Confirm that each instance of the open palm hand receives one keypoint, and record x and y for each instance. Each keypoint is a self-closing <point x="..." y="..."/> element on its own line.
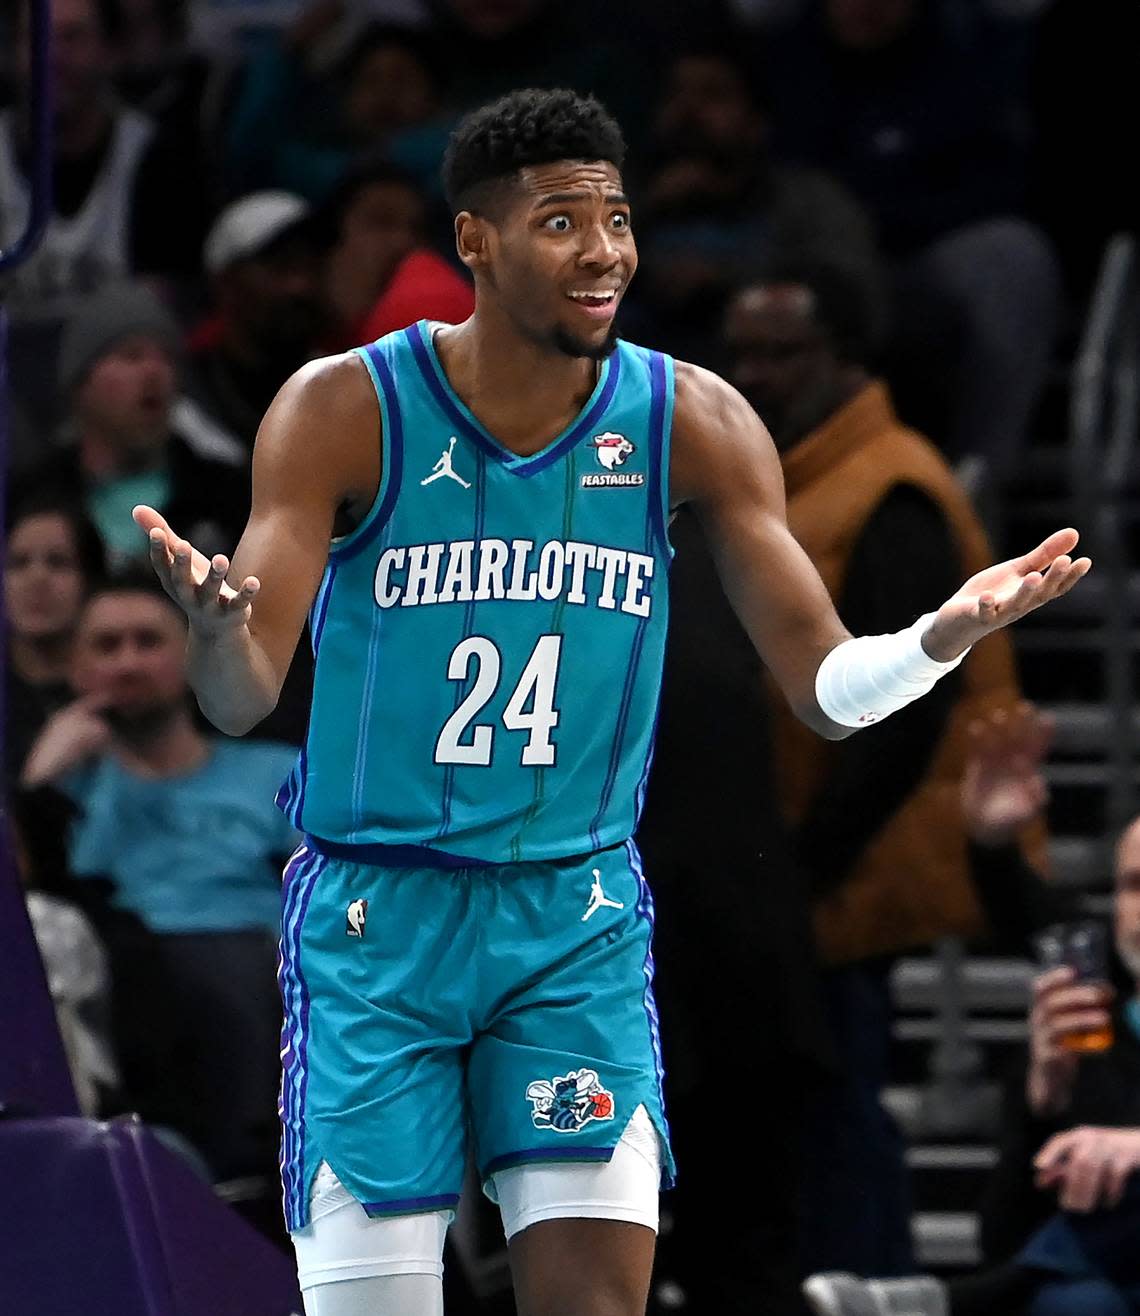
<point x="1004" y="593"/>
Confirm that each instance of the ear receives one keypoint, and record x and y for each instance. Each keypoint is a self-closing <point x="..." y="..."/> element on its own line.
<point x="472" y="239"/>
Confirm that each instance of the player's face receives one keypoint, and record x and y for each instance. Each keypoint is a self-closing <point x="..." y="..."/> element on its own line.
<point x="43" y="581"/>
<point x="131" y="648"/>
<point x="781" y="360"/>
<point x="128" y="393"/>
<point x="1127" y="903"/>
<point x="562" y="254"/>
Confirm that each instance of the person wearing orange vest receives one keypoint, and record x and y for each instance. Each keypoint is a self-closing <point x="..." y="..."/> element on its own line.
<point x="876" y="819"/>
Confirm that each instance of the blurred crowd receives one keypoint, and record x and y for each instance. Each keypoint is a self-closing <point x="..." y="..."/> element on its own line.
<point x="878" y="218"/>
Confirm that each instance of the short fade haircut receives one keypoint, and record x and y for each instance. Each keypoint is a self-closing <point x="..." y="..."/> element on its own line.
<point x="522" y="129"/>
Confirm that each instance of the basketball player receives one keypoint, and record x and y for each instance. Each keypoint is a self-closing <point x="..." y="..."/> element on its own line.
<point x="475" y="520"/>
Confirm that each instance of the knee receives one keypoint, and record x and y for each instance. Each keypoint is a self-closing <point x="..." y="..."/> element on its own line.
<point x="1085" y="1297"/>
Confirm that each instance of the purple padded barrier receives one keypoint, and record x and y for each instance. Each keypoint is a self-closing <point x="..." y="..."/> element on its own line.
<point x="34" y="1078"/>
<point x="101" y="1217"/>
<point x="33" y="1072"/>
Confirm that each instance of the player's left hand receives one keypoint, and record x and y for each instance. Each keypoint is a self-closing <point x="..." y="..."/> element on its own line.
<point x="1090" y="1166"/>
<point x="1004" y="593"/>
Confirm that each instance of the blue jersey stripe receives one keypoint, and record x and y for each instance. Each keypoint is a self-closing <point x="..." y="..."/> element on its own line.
<point x="297" y="778"/>
<point x="419" y="338"/>
<point x="468" y="630"/>
<point x="656" y="440"/>
<point x="660" y="427"/>
<point x="321" y="607"/>
<point x="367" y="704"/>
<point x="392" y="460"/>
<point x="631" y="675"/>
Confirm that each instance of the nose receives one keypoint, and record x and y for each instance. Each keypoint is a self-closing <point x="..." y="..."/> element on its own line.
<point x="599" y="249"/>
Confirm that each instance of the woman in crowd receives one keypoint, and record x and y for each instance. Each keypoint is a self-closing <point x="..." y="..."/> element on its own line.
<point x="54" y="556"/>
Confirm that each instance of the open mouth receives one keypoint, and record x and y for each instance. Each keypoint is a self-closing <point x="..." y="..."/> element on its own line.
<point x="598" y="303"/>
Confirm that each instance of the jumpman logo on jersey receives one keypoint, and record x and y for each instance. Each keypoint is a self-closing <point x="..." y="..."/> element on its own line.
<point x="443" y="467"/>
<point x="599" y="899"/>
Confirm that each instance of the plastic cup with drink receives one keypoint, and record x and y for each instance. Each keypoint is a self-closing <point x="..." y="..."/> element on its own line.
<point x="1081" y="946"/>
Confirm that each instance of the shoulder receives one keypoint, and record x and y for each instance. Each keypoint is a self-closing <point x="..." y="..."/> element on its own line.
<point x="705" y="400"/>
<point x="332" y="386"/>
<point x="720" y="445"/>
<point x="322" y="427"/>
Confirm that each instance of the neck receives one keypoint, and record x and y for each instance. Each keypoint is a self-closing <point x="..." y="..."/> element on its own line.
<point x="518" y="388"/>
<point x="40" y="661"/>
<point x="169" y="747"/>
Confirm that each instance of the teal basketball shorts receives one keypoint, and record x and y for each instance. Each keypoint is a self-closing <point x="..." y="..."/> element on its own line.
<point x="512" y="1004"/>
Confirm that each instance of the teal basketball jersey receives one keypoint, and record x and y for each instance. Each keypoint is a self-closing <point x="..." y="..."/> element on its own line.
<point x="489" y="639"/>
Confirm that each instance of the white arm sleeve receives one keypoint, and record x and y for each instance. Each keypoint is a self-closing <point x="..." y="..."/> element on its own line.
<point x="866" y="679"/>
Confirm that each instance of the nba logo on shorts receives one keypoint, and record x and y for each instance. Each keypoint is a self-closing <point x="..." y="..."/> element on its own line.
<point x="354" y="917"/>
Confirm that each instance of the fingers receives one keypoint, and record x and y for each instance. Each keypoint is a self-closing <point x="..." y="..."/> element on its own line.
<point x="1039" y="558"/>
<point x="1051" y="979"/>
<point x="1055" y="1150"/>
<point x="240" y="599"/>
<point x="1116" y="1176"/>
<point x="1084" y="1180"/>
<point x="210" y="588"/>
<point x="147" y="518"/>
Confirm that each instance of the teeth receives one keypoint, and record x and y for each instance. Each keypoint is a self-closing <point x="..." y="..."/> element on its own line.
<point x="603" y="296"/>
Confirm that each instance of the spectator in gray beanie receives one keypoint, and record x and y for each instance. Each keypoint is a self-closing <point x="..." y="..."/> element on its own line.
<point x="119" y="312"/>
<point x="132" y="439"/>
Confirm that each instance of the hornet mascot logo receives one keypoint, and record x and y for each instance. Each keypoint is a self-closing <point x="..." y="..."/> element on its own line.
<point x="566" y="1104"/>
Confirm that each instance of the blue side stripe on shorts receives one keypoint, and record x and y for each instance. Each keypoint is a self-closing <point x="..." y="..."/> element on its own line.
<point x="294" y="1080"/>
<point x="645" y="910"/>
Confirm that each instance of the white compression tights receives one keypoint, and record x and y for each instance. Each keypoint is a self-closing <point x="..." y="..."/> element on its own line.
<point x="350" y="1265"/>
<point x="378" y="1295"/>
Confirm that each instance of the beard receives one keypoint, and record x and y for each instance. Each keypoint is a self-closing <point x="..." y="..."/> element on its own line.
<point x="143" y="721"/>
<point x="568" y="345"/>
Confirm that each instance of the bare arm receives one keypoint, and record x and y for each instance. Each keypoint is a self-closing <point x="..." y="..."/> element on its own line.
<point x="318" y="447"/>
<point x="725" y="463"/>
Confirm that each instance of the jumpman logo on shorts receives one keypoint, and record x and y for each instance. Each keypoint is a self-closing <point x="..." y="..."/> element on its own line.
<point x="599" y="899"/>
<point x="443" y="468"/>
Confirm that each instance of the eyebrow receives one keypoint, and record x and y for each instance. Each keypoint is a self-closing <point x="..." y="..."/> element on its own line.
<point x="570" y="198"/>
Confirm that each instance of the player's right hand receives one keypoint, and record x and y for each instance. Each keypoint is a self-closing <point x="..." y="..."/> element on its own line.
<point x="195" y="582"/>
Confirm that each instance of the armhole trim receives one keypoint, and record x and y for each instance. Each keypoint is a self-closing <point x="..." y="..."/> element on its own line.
<point x="391" y="458"/>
